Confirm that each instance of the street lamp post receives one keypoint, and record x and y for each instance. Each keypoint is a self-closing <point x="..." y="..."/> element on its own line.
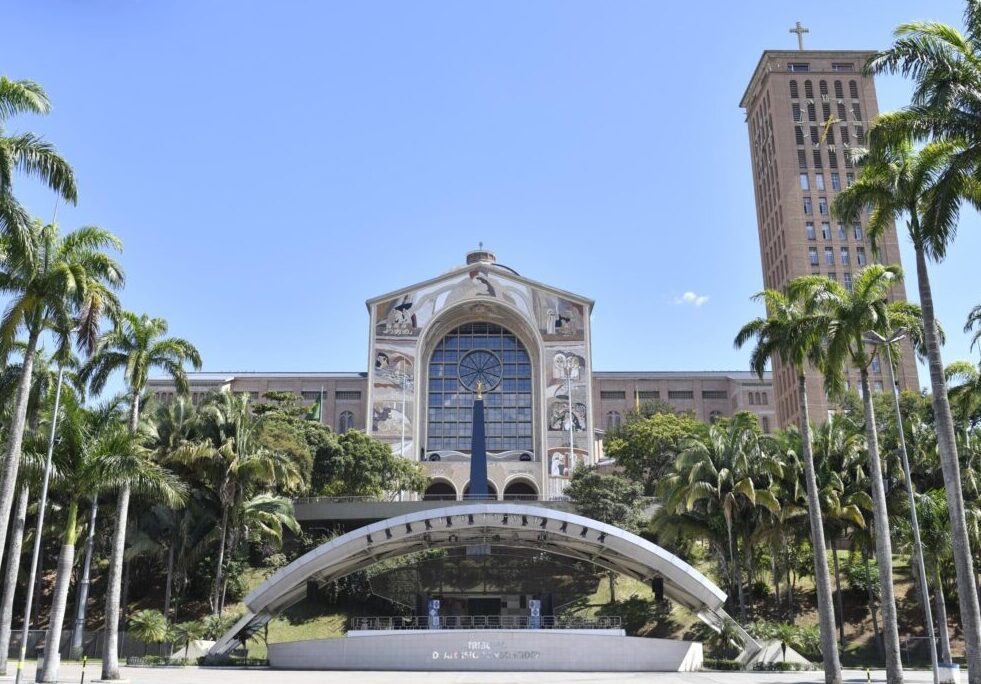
<point x="571" y="363"/>
<point x="876" y="339"/>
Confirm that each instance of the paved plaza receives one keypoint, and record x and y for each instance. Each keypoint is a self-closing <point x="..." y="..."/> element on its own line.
<point x="70" y="673"/>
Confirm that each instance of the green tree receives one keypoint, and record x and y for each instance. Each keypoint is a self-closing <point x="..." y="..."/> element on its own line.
<point x="184" y="633"/>
<point x="612" y="499"/>
<point x="54" y="282"/>
<point x="29" y="154"/>
<point x="924" y="188"/>
<point x="718" y="474"/>
<point x="646" y="448"/>
<point x="360" y="465"/>
<point x="135" y="345"/>
<point x="792" y="331"/>
<point x="852" y="314"/>
<point x="149" y="626"/>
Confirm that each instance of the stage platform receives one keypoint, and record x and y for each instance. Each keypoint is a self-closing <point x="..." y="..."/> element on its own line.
<point x="513" y="650"/>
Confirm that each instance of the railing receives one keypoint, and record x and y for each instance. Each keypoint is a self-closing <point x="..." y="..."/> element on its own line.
<point x="485" y="622"/>
<point x="477" y="498"/>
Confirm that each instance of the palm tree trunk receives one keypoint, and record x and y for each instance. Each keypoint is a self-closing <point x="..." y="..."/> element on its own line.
<point x="110" y="652"/>
<point x="170" y="580"/>
<point x="219" y="571"/>
<point x="78" y="631"/>
<point x="736" y="573"/>
<point x="883" y="544"/>
<point x="790" y="598"/>
<point x="841" y="605"/>
<point x="15" y="437"/>
<point x="124" y="596"/>
<point x="826" y="613"/>
<point x="10" y="579"/>
<point x="941" y="604"/>
<point x="59" y="601"/>
<point x="947" y="448"/>
<point x="876" y="636"/>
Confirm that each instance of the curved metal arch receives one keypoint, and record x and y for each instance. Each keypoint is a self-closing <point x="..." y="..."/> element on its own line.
<point x="499" y="524"/>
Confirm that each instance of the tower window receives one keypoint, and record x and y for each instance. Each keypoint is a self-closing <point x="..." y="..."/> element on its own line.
<point x="853" y="89"/>
<point x="808" y="90"/>
<point x="794" y="93"/>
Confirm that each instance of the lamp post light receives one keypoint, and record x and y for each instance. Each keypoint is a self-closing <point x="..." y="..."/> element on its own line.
<point x="878" y="340"/>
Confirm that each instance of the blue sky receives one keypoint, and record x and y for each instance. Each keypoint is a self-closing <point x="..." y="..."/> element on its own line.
<point x="272" y="165"/>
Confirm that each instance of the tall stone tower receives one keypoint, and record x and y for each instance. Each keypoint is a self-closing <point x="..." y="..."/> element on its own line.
<point x="804" y="110"/>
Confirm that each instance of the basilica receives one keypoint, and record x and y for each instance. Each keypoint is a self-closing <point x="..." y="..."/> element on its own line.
<point x="526" y="346"/>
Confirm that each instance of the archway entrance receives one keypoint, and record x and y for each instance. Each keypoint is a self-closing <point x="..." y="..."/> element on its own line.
<point x="520" y="490"/>
<point x="439" y="490"/>
<point x="491" y="492"/>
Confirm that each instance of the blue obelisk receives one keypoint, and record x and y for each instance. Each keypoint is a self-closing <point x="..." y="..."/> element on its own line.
<point x="478" y="449"/>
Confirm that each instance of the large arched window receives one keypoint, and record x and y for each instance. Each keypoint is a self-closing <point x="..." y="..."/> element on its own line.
<point x="345" y="422"/>
<point x="497" y="358"/>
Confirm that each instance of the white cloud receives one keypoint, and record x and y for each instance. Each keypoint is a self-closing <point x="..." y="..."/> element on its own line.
<point x="691" y="298"/>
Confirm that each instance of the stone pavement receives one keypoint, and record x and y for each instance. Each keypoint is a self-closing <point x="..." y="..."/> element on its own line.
<point x="71" y="672"/>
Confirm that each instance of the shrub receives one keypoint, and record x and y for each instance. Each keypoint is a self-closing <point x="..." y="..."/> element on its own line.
<point x="862" y="576"/>
<point x="721" y="664"/>
<point x="806" y="640"/>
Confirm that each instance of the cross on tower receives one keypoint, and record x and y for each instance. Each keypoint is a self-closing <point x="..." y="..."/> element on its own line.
<point x="800" y="31"/>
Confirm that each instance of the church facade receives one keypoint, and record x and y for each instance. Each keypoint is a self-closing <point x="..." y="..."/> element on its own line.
<point x="525" y="347"/>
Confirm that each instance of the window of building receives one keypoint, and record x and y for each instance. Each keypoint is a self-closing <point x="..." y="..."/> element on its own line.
<point x="839" y="93"/>
<point x="845" y="259"/>
<point x="683" y="394"/>
<point x="835" y="181"/>
<point x="804" y="184"/>
<point x="798" y="66"/>
<point x="347" y="395"/>
<point x="812" y="253"/>
<point x="842" y="115"/>
<point x="613" y="394"/>
<point x="794" y="93"/>
<point x="823" y="206"/>
<point x="752" y="398"/>
<point x="310" y="395"/>
<point x="842" y="66"/>
<point x="715" y="394"/>
<point x="832" y="159"/>
<point x="845" y="138"/>
<point x="829" y="256"/>
<point x="808" y="210"/>
<point x="795" y="110"/>
<point x="860" y="256"/>
<point x="345" y="422"/>
<point x="808" y="90"/>
<point x="823" y="87"/>
<point x="857" y="231"/>
<point x="811" y="113"/>
<point x="825" y="230"/>
<point x="613" y="420"/>
<point x="766" y="400"/>
<point x="817" y="159"/>
<point x="649" y="395"/>
<point x="508" y="405"/>
<point x="825" y="109"/>
<point x="765" y="424"/>
<point x="875" y="366"/>
<point x="853" y="89"/>
<point x="860" y="135"/>
<point x="832" y="276"/>
<point x="809" y="230"/>
<point x="842" y="235"/>
<point x="877" y="385"/>
<point x="857" y="111"/>
<point x="819" y="181"/>
<point x="849" y="179"/>
<point x="846" y="279"/>
<point x="814" y="135"/>
<point x="801" y="154"/>
<point x="799" y="136"/>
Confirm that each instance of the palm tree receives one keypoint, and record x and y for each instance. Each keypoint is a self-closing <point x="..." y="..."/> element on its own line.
<point x="851" y="316"/>
<point x="28" y="154"/>
<point x="55" y="282"/>
<point x="974" y="321"/>
<point x="149" y="626"/>
<point x="924" y="189"/>
<point x="186" y="632"/>
<point x="233" y="464"/>
<point x="718" y="474"/>
<point x="793" y="331"/>
<point x="136" y="345"/>
<point x="838" y="450"/>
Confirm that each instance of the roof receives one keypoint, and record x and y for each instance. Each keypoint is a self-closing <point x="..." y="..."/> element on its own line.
<point x="501" y="270"/>
<point x="861" y="55"/>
